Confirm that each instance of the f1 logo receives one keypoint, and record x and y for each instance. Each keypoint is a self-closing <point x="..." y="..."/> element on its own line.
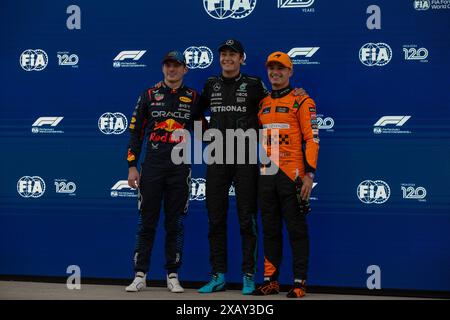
<point x="134" y="54"/>
<point x="306" y="52"/>
<point x="397" y="120"/>
<point x="52" y="121"/>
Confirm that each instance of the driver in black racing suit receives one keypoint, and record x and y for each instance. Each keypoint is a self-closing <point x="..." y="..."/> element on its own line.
<point x="233" y="99"/>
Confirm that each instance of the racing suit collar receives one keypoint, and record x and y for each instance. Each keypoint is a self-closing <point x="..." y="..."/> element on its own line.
<point x="281" y="92"/>
<point x="234" y="79"/>
<point x="164" y="85"/>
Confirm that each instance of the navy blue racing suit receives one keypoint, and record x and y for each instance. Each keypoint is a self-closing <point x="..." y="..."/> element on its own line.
<point x="159" y="112"/>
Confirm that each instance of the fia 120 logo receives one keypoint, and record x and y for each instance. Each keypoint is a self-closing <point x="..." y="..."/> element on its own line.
<point x="325" y="123"/>
<point x="67" y="59"/>
<point x="411" y="192"/>
<point x="63" y="186"/>
<point x="412" y="52"/>
<point x="305" y="5"/>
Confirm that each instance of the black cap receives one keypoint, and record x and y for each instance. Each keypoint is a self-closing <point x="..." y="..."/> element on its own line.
<point x="174" y="56"/>
<point x="233" y="45"/>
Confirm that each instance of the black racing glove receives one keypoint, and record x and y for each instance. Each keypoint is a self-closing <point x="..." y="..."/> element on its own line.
<point x="303" y="204"/>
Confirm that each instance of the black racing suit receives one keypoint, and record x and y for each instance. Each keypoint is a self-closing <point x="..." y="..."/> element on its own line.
<point x="233" y="103"/>
<point x="158" y="113"/>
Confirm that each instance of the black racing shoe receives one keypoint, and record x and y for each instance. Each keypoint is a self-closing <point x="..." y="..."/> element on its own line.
<point x="268" y="287"/>
<point x="298" y="290"/>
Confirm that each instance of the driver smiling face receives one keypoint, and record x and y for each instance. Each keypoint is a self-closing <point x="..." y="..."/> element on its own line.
<point x="278" y="75"/>
<point x="230" y="61"/>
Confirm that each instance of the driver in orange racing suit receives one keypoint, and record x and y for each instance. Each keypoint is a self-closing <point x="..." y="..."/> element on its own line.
<point x="288" y="122"/>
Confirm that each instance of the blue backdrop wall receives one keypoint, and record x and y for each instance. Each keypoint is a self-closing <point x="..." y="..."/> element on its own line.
<point x="382" y="93"/>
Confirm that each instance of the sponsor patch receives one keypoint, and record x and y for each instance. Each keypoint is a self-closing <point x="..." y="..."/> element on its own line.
<point x="185" y="99"/>
<point x="277" y="126"/>
<point x="130" y="156"/>
<point x="184" y="105"/>
<point x="282" y="109"/>
<point x="158" y="96"/>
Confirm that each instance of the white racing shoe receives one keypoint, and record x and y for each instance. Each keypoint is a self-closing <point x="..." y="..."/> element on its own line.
<point x="173" y="284"/>
<point x="138" y="284"/>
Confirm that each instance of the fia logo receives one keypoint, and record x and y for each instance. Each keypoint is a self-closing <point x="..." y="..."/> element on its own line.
<point x="375" y="54"/>
<point x="31" y="187"/>
<point x="33" y="60"/>
<point x="224" y="9"/>
<point x="198" y="189"/>
<point x="198" y="57"/>
<point x="422" y="5"/>
<point x="112" y="123"/>
<point x="373" y="191"/>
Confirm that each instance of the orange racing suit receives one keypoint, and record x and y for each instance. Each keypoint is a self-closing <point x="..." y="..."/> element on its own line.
<point x="289" y="122"/>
